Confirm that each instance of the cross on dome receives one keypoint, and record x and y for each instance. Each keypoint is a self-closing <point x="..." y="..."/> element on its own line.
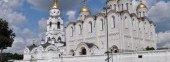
<point x="84" y="8"/>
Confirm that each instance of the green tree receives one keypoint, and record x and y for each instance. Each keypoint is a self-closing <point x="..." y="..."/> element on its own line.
<point x="149" y="48"/>
<point x="6" y="36"/>
<point x="10" y="56"/>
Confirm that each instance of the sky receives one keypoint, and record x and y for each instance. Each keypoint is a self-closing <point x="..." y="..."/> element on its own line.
<point x="28" y="18"/>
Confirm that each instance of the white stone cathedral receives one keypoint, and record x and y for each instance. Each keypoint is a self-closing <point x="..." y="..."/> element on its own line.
<point x="129" y="34"/>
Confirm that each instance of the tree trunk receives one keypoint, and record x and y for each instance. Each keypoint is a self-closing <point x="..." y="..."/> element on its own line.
<point x="1" y="56"/>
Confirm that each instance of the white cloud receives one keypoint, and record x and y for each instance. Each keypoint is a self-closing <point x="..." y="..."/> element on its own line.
<point x="160" y="12"/>
<point x="24" y="37"/>
<point x="42" y="24"/>
<point x="17" y="46"/>
<point x="7" y="11"/>
<point x="20" y="43"/>
<point x="164" y="39"/>
<point x="46" y="4"/>
<point x="71" y="15"/>
<point x="40" y="4"/>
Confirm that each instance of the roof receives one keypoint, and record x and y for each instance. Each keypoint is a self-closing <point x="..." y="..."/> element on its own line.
<point x="32" y="46"/>
<point x="141" y="5"/>
<point x="45" y="45"/>
<point x="62" y="43"/>
<point x="90" y="45"/>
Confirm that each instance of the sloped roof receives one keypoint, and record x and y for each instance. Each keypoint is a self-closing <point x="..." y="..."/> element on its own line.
<point x="90" y="45"/>
<point x="32" y="46"/>
<point x="45" y="45"/>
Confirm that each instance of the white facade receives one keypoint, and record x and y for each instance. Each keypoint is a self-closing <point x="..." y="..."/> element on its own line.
<point x="85" y="40"/>
<point x="127" y="31"/>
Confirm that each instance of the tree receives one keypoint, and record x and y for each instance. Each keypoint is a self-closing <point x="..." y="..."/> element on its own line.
<point x="11" y="56"/>
<point x="6" y="36"/>
<point x="149" y="48"/>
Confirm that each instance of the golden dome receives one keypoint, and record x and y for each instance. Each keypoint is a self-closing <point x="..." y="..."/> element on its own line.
<point x="84" y="9"/>
<point x="141" y="5"/>
<point x="55" y="4"/>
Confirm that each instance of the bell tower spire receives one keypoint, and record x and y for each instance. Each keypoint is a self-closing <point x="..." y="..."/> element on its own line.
<point x="55" y="5"/>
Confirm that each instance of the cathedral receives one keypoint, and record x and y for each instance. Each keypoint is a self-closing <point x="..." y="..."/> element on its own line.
<point x="117" y="29"/>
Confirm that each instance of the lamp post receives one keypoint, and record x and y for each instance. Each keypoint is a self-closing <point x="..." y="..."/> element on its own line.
<point x="106" y="12"/>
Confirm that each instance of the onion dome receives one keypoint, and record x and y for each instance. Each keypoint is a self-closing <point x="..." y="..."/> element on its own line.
<point x="141" y="5"/>
<point x="55" y="5"/>
<point x="84" y="9"/>
<point x="32" y="46"/>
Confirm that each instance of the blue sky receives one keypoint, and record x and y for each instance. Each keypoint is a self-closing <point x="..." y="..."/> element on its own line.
<point x="27" y="17"/>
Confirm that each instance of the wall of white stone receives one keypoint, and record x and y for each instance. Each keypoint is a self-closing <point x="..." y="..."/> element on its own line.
<point x="151" y="56"/>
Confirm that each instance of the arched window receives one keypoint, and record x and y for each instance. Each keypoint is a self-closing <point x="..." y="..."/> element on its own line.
<point x="133" y="24"/>
<point x="72" y="52"/>
<point x="71" y="31"/>
<point x="110" y="6"/>
<point x="114" y="49"/>
<point x="58" y="25"/>
<point x="122" y="6"/>
<point x="59" y="39"/>
<point x="143" y="13"/>
<point x="50" y="24"/>
<point x="80" y="29"/>
<point x="115" y="6"/>
<point x="127" y="6"/>
<point x="83" y="51"/>
<point x="102" y="24"/>
<point x="145" y="26"/>
<point x="90" y="27"/>
<point x="48" y="39"/>
<point x="126" y="22"/>
<point x="139" y="14"/>
<point x="113" y="19"/>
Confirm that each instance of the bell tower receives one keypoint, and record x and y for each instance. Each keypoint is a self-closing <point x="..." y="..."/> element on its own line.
<point x="55" y="26"/>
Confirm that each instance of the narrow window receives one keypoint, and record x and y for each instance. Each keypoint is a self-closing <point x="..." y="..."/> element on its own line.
<point x="80" y="29"/>
<point x="115" y="6"/>
<point x="71" y="31"/>
<point x="110" y="6"/>
<point x="102" y="26"/>
<point x="127" y="6"/>
<point x="133" y="24"/>
<point x="126" y="22"/>
<point x="143" y="13"/>
<point x="122" y="7"/>
<point x="50" y="24"/>
<point x="58" y="25"/>
<point x="113" y="19"/>
<point x="139" y="14"/>
<point x="90" y="27"/>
